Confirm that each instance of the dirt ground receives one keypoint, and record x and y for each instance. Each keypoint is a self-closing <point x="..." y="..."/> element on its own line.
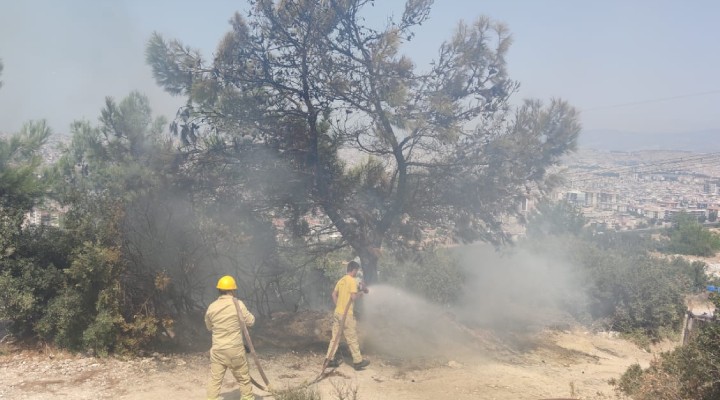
<point x="410" y="359"/>
<point x="547" y="364"/>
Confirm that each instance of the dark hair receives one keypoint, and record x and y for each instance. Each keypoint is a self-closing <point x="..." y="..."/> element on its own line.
<point x="222" y="292"/>
<point x="352" y="265"/>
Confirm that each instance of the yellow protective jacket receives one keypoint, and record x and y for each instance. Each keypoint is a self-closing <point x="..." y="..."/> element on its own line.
<point x="221" y="319"/>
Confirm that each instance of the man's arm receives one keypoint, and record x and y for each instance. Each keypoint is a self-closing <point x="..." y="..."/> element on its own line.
<point x="335" y="296"/>
<point x="354" y="293"/>
<point x="208" y="322"/>
<point x="247" y="315"/>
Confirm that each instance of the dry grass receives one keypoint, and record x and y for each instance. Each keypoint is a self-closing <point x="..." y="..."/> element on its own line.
<point x="297" y="394"/>
<point x="343" y="391"/>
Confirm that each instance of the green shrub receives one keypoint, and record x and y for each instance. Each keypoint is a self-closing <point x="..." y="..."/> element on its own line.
<point x="688" y="372"/>
<point x="25" y="289"/>
<point x="139" y="332"/>
<point x="102" y="333"/>
<point x="630" y="381"/>
<point x="433" y="274"/>
<point x="64" y="320"/>
<point x="625" y="288"/>
<point x="688" y="236"/>
<point x="637" y="293"/>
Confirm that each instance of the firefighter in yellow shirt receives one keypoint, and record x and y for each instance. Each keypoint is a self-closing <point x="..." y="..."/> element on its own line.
<point x="346" y="289"/>
<point x="227" y="350"/>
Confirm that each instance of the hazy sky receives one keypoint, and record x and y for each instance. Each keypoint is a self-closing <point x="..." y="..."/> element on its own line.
<point x="604" y="56"/>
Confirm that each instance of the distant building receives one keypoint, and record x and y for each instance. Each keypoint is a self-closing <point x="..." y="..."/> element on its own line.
<point x="601" y="200"/>
<point x="711" y="187"/>
<point x="651" y="212"/>
<point x="43" y="217"/>
<point x="574" y="197"/>
<point x="697" y="213"/>
<point x="48" y="214"/>
<point x="526" y="205"/>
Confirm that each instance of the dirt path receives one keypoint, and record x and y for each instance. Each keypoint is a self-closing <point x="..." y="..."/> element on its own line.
<point x="551" y="364"/>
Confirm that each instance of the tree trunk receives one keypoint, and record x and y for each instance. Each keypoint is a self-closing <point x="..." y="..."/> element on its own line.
<point x="369" y="263"/>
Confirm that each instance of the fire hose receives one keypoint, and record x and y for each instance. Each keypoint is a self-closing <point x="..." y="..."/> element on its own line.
<point x="336" y="342"/>
<point x="249" y="343"/>
<point x="326" y="362"/>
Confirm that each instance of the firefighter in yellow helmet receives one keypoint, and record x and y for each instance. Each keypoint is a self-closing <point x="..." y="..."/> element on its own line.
<point x="228" y="351"/>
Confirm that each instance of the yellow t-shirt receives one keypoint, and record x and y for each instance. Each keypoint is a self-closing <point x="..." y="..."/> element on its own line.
<point x="346" y="286"/>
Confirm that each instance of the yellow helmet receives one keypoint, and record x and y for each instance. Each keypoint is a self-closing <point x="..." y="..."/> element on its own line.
<point x="226" y="283"/>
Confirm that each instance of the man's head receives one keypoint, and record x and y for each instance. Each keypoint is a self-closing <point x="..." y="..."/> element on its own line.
<point x="226" y="285"/>
<point x="352" y="268"/>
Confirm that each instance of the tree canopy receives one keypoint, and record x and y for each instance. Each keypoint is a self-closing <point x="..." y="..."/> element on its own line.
<point x="688" y="236"/>
<point x="20" y="161"/>
<point x="555" y="219"/>
<point x="436" y="149"/>
<point x="23" y="253"/>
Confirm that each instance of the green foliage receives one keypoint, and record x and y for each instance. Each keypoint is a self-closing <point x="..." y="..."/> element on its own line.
<point x="334" y="264"/>
<point x="101" y="335"/>
<point x="688" y="372"/>
<point x="559" y="218"/>
<point x="73" y="285"/>
<point x="20" y="160"/>
<point x="435" y="275"/>
<point x="25" y="289"/>
<point x="29" y="258"/>
<point x="78" y="315"/>
<point x="107" y="303"/>
<point x="630" y="381"/>
<point x="64" y="321"/>
<point x="140" y="235"/>
<point x="346" y="86"/>
<point x="634" y="292"/>
<point x="688" y="236"/>
<point x="625" y="288"/>
<point x="696" y="364"/>
<point x="121" y="157"/>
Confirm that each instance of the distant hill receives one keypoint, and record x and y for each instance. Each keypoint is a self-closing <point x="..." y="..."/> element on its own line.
<point x="698" y="141"/>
